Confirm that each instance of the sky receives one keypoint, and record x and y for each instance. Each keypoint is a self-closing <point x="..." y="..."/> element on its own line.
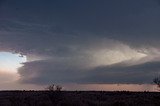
<point x="79" y="42"/>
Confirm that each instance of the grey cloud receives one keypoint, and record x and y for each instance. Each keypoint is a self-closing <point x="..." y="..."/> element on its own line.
<point x="158" y="1"/>
<point x="69" y="53"/>
<point x="142" y="73"/>
<point x="45" y="72"/>
<point x="70" y="31"/>
<point x="124" y="20"/>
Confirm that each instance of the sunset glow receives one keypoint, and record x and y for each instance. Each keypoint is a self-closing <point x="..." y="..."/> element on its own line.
<point x="10" y="62"/>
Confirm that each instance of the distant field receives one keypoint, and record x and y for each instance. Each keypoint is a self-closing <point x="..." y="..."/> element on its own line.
<point x="78" y="98"/>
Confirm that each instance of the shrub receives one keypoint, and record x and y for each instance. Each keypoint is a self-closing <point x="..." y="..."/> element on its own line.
<point x="157" y="81"/>
<point x="54" y="87"/>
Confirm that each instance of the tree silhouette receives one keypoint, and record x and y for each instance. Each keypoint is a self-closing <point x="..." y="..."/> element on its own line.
<point x="157" y="81"/>
<point x="58" y="88"/>
<point x="53" y="87"/>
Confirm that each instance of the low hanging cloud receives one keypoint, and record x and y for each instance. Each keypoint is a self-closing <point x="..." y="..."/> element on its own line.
<point x="108" y="61"/>
<point x="68" y="58"/>
<point x="46" y="72"/>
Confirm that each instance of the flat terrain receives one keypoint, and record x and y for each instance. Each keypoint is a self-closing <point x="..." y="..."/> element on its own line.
<point x="78" y="98"/>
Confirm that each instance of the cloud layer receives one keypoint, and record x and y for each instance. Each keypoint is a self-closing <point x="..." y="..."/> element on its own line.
<point x="83" y="41"/>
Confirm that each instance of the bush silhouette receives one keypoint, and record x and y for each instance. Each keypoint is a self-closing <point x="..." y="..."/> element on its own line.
<point x="157" y="81"/>
<point x="58" y="88"/>
<point x="53" y="87"/>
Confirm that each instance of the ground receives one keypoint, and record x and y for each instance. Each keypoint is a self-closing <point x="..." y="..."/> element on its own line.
<point x="78" y="98"/>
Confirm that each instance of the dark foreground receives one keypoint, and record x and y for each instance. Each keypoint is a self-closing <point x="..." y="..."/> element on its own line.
<point x="78" y="98"/>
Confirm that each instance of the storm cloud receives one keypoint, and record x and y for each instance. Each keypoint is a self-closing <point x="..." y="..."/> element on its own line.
<point x="46" y="72"/>
<point x="87" y="41"/>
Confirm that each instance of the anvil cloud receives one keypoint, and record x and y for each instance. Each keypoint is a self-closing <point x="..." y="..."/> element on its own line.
<point x="85" y="41"/>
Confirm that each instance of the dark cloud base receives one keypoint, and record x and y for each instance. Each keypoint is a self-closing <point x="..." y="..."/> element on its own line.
<point x="43" y="72"/>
